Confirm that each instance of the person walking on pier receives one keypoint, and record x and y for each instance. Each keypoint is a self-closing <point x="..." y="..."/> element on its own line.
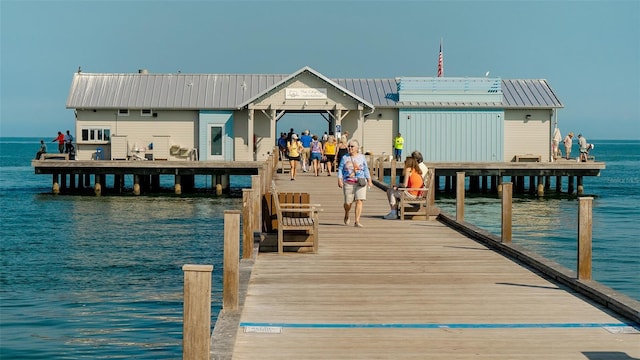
<point x="43" y="150"/>
<point x="330" y="153"/>
<point x="353" y="179"/>
<point x="306" y="139"/>
<point x="295" y="149"/>
<point x="316" y="154"/>
<point x="60" y="140"/>
<point x="568" y="143"/>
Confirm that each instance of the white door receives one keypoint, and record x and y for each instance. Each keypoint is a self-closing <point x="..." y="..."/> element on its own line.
<point x="215" y="147"/>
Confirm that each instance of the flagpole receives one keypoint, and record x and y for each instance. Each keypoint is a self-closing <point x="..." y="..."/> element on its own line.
<point x="440" y="61"/>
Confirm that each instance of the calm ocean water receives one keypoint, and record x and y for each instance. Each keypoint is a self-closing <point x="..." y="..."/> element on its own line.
<point x="90" y="278"/>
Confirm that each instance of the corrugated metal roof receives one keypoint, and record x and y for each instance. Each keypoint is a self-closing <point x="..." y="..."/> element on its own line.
<point x="231" y="91"/>
<point x="529" y="93"/>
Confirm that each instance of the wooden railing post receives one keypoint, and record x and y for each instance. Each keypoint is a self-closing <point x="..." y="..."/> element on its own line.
<point x="460" y="196"/>
<point x="507" y="194"/>
<point x="393" y="173"/>
<point x="247" y="220"/>
<point x="584" y="237"/>
<point x="231" y="261"/>
<point x="257" y="216"/>
<point x="196" y="324"/>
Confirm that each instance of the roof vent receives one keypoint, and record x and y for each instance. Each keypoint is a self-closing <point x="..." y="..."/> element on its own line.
<point x="143" y="71"/>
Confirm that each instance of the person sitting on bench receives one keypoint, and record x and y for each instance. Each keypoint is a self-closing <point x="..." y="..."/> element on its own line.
<point x="412" y="180"/>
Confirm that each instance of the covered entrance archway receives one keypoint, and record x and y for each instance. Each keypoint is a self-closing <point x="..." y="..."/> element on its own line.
<point x="308" y="92"/>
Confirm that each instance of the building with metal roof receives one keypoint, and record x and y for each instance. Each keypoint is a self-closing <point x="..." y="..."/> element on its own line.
<point x="234" y="116"/>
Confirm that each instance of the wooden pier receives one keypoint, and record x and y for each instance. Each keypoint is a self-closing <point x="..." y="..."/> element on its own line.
<point x="407" y="290"/>
<point x="71" y="175"/>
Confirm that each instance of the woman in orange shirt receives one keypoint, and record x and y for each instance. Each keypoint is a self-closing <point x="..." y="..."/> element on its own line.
<point x="412" y="179"/>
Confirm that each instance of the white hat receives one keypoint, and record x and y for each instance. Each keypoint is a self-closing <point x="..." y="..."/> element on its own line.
<point x="294" y="137"/>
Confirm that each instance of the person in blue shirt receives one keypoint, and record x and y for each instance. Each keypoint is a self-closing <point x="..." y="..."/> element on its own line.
<point x="305" y="139"/>
<point x="353" y="179"/>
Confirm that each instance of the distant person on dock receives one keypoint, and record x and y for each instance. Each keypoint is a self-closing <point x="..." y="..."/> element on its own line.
<point x="568" y="143"/>
<point x="68" y="142"/>
<point x="555" y="144"/>
<point x="295" y="149"/>
<point x="43" y="149"/>
<point x="584" y="148"/>
<point x="398" y="144"/>
<point x="353" y="179"/>
<point x="60" y="140"/>
<point x="412" y="179"/>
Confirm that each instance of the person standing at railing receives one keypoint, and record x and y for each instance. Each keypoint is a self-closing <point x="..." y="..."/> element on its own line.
<point x="60" y="140"/>
<point x="398" y="144"/>
<point x="353" y="179"/>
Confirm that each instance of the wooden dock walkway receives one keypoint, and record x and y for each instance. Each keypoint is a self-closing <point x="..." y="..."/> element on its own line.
<point x="410" y="290"/>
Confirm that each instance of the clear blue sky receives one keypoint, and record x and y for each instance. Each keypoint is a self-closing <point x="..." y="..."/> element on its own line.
<point x="589" y="51"/>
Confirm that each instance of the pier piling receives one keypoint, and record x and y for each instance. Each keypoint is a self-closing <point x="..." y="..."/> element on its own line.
<point x="231" y="273"/>
<point x="584" y="237"/>
<point x="507" y="194"/>
<point x="459" y="196"/>
<point x="197" y="312"/>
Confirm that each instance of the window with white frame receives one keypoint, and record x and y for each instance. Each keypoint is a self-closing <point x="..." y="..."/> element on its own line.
<point x="146" y="112"/>
<point x="96" y="134"/>
<point x="123" y="112"/>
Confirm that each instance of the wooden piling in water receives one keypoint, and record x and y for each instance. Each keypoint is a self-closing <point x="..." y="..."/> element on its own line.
<point x="196" y="342"/>
<point x="231" y="273"/>
<point x="459" y="196"/>
<point x="507" y="191"/>
<point x="584" y="237"/>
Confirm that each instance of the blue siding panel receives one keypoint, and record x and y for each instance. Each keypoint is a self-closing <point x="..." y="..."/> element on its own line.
<point x="449" y="135"/>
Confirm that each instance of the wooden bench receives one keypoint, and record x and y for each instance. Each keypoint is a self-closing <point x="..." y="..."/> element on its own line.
<point x="295" y="217"/>
<point x="528" y="158"/>
<point x="419" y="205"/>
<point x="54" y="156"/>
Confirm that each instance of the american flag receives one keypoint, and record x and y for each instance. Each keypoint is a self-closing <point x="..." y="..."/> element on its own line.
<point x="440" y="64"/>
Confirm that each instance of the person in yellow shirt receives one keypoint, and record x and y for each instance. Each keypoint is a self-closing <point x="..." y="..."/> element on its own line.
<point x="398" y="144"/>
<point x="295" y="149"/>
<point x="330" y="153"/>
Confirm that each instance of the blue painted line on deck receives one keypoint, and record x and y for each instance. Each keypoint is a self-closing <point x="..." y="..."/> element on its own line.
<point x="435" y="326"/>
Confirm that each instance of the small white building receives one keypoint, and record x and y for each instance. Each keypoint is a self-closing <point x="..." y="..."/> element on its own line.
<point x="230" y="117"/>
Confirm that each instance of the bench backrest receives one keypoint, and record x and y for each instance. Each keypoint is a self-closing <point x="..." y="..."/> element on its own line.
<point x="271" y="206"/>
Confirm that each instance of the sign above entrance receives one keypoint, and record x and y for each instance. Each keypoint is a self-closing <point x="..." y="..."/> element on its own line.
<point x="305" y="93"/>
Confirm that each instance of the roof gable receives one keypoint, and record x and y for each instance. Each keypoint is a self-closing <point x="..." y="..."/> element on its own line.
<point x="296" y="75"/>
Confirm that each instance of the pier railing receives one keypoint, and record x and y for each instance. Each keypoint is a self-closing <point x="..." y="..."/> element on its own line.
<point x="197" y="278"/>
<point x="580" y="280"/>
